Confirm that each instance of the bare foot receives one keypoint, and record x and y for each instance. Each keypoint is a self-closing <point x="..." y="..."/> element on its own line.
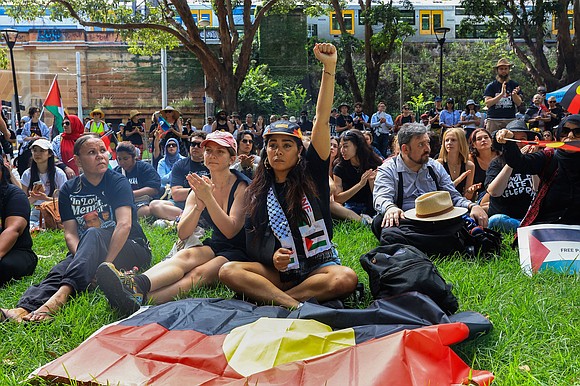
<point x="47" y="310"/>
<point x="14" y="314"/>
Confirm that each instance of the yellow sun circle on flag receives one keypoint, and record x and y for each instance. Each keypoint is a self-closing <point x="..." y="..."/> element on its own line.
<point x="270" y="342"/>
<point x="578" y="89"/>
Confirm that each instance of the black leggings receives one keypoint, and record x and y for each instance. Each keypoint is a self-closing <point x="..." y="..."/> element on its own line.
<point x="16" y="264"/>
<point x="79" y="270"/>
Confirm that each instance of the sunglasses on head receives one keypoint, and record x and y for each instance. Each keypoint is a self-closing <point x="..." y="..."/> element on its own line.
<point x="247" y="141"/>
<point x="567" y="130"/>
<point x="195" y="144"/>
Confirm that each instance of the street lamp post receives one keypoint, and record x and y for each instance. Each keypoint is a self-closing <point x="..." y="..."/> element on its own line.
<point x="204" y="23"/>
<point x="440" y="36"/>
<point x="401" y="76"/>
<point x="10" y="36"/>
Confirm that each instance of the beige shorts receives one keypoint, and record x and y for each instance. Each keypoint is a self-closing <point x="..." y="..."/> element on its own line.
<point x="496" y="124"/>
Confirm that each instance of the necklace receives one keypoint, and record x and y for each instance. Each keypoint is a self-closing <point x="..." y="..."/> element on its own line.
<point x="453" y="168"/>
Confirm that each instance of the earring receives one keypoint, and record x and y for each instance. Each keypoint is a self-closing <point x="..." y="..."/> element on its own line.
<point x="267" y="164"/>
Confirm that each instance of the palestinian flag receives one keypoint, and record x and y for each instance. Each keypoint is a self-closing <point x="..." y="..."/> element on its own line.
<point x="230" y="342"/>
<point x="549" y="246"/>
<point x="53" y="103"/>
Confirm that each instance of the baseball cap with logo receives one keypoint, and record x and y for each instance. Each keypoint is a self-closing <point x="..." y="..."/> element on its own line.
<point x="284" y="127"/>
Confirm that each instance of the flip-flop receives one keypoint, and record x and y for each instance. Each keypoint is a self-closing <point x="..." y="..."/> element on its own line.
<point x="48" y="317"/>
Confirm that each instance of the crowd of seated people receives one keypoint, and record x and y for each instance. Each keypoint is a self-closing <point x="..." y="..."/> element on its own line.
<point x="258" y="187"/>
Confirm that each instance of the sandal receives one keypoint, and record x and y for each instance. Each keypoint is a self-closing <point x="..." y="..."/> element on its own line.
<point x="46" y="316"/>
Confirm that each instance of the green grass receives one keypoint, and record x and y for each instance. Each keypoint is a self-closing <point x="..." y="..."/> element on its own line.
<point x="535" y="340"/>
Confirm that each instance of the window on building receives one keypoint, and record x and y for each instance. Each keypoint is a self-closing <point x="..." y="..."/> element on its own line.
<point x="348" y="16"/>
<point x="570" y="20"/>
<point x="200" y="14"/>
<point x="312" y="30"/>
<point x="407" y="16"/>
<point x="430" y="20"/>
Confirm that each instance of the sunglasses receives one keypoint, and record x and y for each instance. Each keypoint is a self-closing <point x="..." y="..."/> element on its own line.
<point x="172" y="145"/>
<point x="551" y="101"/>
<point x="66" y="123"/>
<point x="195" y="144"/>
<point x="247" y="141"/>
<point x="405" y="108"/>
<point x="567" y="130"/>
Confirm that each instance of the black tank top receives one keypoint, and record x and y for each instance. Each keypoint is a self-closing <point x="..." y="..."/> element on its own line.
<point x="222" y="126"/>
<point x="217" y="236"/>
<point x="479" y="176"/>
<point x="461" y="187"/>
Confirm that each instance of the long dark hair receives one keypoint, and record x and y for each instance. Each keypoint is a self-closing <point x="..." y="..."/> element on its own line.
<point x="472" y="150"/>
<point x="367" y="158"/>
<point x="241" y="135"/>
<point x="298" y="184"/>
<point x="51" y="171"/>
<point x="4" y="181"/>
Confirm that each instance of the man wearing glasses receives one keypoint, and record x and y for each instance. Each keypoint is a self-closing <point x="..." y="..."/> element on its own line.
<point x="556" y="201"/>
<point x="171" y="209"/>
<point x="556" y="114"/>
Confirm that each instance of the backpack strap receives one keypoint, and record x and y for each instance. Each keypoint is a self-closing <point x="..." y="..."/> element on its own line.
<point x="399" y="202"/>
<point x="433" y="176"/>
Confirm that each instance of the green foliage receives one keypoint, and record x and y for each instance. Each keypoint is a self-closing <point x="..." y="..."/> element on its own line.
<point x="185" y="103"/>
<point x="258" y="91"/>
<point x="295" y="100"/>
<point x="3" y="58"/>
<point x="418" y="104"/>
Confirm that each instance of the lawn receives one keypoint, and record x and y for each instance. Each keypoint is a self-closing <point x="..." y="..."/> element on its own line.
<point x="535" y="340"/>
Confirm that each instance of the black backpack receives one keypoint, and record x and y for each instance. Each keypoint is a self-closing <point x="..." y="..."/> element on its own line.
<point x="398" y="268"/>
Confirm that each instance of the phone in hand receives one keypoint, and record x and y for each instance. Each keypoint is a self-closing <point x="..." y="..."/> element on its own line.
<point x="37" y="187"/>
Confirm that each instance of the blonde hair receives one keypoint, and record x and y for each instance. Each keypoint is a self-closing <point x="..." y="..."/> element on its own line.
<point x="461" y="140"/>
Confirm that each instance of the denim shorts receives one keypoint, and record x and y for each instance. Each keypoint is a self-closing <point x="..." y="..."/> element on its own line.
<point x="299" y="275"/>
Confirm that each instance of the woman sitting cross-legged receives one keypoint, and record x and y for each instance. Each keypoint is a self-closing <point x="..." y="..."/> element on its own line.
<point x="42" y="179"/>
<point x="289" y="228"/>
<point x="220" y="201"/>
<point x="100" y="224"/>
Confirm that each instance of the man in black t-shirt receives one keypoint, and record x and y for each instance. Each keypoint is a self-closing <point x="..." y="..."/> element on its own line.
<point x="502" y="97"/>
<point x="343" y="120"/>
<point x="434" y="114"/>
<point x="171" y="209"/>
<point x="360" y="120"/>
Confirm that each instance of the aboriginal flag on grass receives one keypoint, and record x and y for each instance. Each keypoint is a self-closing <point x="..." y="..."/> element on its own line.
<point x="231" y="342"/>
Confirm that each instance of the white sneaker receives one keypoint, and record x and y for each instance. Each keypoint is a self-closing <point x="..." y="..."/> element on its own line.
<point x="366" y="219"/>
<point x="161" y="223"/>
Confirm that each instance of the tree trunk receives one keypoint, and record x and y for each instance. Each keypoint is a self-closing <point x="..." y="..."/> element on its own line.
<point x="347" y="50"/>
<point x="371" y="84"/>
